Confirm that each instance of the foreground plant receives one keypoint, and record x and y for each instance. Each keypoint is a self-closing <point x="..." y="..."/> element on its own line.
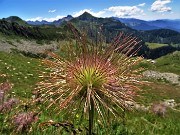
<point x="159" y="109"/>
<point x="6" y="104"/>
<point x="4" y="89"/>
<point x="12" y="112"/>
<point x="92" y="80"/>
<point x="23" y="121"/>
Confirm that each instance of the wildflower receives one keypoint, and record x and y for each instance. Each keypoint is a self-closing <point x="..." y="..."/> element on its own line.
<point x="94" y="77"/>
<point x="159" y="109"/>
<point x="8" y="105"/>
<point x="23" y="121"/>
<point x="4" y="88"/>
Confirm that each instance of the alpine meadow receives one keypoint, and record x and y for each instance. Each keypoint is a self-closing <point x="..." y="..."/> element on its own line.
<point x="99" y="67"/>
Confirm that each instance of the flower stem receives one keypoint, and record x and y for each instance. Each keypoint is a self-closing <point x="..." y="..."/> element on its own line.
<point x="91" y="117"/>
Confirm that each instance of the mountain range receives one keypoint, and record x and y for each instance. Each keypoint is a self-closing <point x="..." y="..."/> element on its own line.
<point x="109" y="27"/>
<point x="151" y="25"/>
<point x="56" y="22"/>
<point x="97" y="30"/>
<point x="130" y="22"/>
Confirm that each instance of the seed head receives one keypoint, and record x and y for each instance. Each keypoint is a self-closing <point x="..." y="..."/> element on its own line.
<point x="159" y="109"/>
<point x="8" y="105"/>
<point x="23" y="121"/>
<point x="4" y="88"/>
<point x="102" y="75"/>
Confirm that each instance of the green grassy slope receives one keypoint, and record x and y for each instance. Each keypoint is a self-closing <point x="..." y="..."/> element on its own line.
<point x="168" y="63"/>
<point x="155" y="45"/>
<point x="23" y="73"/>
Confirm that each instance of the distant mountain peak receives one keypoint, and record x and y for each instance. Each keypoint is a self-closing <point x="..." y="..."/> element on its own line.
<point x="64" y="19"/>
<point x="69" y="16"/>
<point x="86" y="16"/>
<point x="13" y="19"/>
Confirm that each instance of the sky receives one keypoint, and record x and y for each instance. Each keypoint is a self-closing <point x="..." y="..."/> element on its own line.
<point x="51" y="10"/>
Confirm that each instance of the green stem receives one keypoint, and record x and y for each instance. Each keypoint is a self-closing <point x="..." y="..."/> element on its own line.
<point x="91" y="117"/>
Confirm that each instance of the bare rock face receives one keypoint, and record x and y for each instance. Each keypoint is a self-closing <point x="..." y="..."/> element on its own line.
<point x="171" y="77"/>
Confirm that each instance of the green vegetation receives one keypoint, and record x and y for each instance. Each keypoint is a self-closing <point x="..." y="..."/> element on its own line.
<point x="169" y="63"/>
<point x="148" y="124"/>
<point x="15" y="30"/>
<point x="16" y="19"/>
<point x="176" y="45"/>
<point x="92" y="74"/>
<point x="23" y="73"/>
<point x="155" y="45"/>
<point x="4" y="37"/>
<point x="86" y="22"/>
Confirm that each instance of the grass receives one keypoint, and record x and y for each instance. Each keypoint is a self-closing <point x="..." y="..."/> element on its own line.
<point x="159" y="91"/>
<point x="168" y="63"/>
<point x="155" y="45"/>
<point x="139" y="123"/>
<point x="10" y="37"/>
<point x="23" y="73"/>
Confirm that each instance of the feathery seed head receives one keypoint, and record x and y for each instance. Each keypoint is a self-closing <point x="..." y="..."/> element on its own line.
<point x="90" y="71"/>
<point x="23" y="121"/>
<point x="88" y="74"/>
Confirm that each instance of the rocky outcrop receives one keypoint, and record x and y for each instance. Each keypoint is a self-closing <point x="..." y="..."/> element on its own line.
<point x="27" y="46"/>
<point x="158" y="108"/>
<point x="170" y="77"/>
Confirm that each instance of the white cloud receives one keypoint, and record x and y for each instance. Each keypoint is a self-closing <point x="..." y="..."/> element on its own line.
<point x="35" y="19"/>
<point x="126" y="11"/>
<point x="46" y="19"/>
<point x="52" y="11"/>
<point x="119" y="11"/>
<point x="96" y="14"/>
<point x="54" y="18"/>
<point x="160" y="6"/>
<point x="141" y="5"/>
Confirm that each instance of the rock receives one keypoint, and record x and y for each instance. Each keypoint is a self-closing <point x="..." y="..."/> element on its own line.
<point x="170" y="103"/>
<point x="171" y="77"/>
<point x="129" y="104"/>
<point x="136" y="106"/>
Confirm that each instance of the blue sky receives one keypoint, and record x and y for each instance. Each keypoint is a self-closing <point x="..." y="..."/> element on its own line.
<point x="51" y="10"/>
